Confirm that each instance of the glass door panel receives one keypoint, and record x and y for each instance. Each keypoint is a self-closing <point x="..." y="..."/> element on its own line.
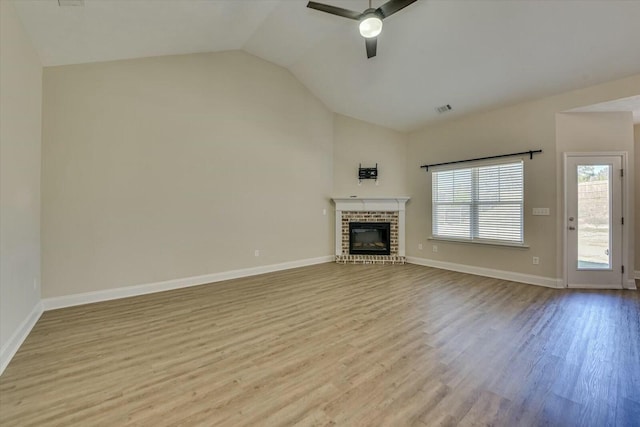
<point x="594" y="219"/>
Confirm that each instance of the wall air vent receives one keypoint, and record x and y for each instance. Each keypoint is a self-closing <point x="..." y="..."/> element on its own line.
<point x="444" y="109"/>
<point x="65" y="3"/>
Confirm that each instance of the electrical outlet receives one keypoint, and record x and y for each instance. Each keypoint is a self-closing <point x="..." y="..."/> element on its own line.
<point x="256" y="252"/>
<point x="435" y="248"/>
<point x="536" y="260"/>
<point x="324" y="211"/>
<point x="419" y="246"/>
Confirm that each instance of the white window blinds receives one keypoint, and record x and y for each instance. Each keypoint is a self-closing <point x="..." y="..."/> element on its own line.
<point x="483" y="203"/>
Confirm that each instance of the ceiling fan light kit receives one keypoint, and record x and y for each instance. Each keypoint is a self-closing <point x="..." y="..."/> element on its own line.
<point x="370" y="20"/>
<point x="370" y="25"/>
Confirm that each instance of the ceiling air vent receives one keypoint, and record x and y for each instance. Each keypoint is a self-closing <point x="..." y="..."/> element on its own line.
<point x="64" y="3"/>
<point x="444" y="109"/>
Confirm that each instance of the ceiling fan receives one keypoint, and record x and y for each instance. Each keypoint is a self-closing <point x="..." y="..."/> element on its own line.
<point x="370" y="19"/>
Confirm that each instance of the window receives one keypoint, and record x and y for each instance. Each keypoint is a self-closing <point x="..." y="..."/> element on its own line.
<point x="483" y="203"/>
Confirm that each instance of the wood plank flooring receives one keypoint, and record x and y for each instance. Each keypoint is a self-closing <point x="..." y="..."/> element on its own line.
<point x="346" y="345"/>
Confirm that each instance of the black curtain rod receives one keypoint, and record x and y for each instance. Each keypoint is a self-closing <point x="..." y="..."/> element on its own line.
<point x="530" y="153"/>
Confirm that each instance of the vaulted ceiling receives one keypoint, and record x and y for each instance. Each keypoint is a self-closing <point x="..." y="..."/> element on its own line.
<point x="473" y="55"/>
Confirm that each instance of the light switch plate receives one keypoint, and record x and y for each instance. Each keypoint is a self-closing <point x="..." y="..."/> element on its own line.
<point x="541" y="211"/>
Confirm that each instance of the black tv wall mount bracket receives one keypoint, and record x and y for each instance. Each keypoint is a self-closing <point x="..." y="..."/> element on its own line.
<point x="367" y="173"/>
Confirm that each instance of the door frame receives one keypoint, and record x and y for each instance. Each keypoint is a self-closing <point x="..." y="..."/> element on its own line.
<point x="625" y="214"/>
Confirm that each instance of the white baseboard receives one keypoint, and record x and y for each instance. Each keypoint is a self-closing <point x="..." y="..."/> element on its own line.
<point x="549" y="282"/>
<point x="636" y="274"/>
<point x="631" y="284"/>
<point x="149" y="288"/>
<point x="11" y="347"/>
<point x="595" y="286"/>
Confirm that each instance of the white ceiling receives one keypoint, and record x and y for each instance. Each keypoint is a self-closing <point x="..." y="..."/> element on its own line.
<point x="474" y="55"/>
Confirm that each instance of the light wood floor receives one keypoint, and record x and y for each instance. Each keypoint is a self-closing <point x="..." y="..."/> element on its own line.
<point x="345" y="345"/>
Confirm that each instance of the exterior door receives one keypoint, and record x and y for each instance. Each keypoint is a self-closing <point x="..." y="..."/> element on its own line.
<point x="594" y="223"/>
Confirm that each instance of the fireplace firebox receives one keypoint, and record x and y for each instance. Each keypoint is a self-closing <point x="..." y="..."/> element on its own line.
<point x="369" y="238"/>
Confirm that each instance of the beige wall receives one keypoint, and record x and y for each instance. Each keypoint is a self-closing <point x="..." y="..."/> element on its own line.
<point x="505" y="131"/>
<point x="143" y="158"/>
<point x="525" y="126"/>
<point x="20" y="130"/>
<point x="178" y="166"/>
<point x="592" y="132"/>
<point x="636" y="156"/>
<point x="357" y="142"/>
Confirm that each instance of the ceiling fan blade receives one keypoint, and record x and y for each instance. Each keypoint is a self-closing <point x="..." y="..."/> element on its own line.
<point x="345" y="13"/>
<point x="372" y="45"/>
<point x="392" y="6"/>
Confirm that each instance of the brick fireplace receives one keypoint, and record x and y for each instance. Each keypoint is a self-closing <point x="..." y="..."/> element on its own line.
<point x="363" y="211"/>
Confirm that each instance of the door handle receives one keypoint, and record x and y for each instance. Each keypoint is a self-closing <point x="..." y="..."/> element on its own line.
<point x="571" y="227"/>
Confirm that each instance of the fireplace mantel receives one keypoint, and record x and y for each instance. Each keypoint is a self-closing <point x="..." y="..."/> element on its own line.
<point x="358" y="204"/>
<point x="370" y="205"/>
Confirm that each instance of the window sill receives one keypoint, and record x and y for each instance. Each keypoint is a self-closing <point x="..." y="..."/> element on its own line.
<point x="481" y="242"/>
